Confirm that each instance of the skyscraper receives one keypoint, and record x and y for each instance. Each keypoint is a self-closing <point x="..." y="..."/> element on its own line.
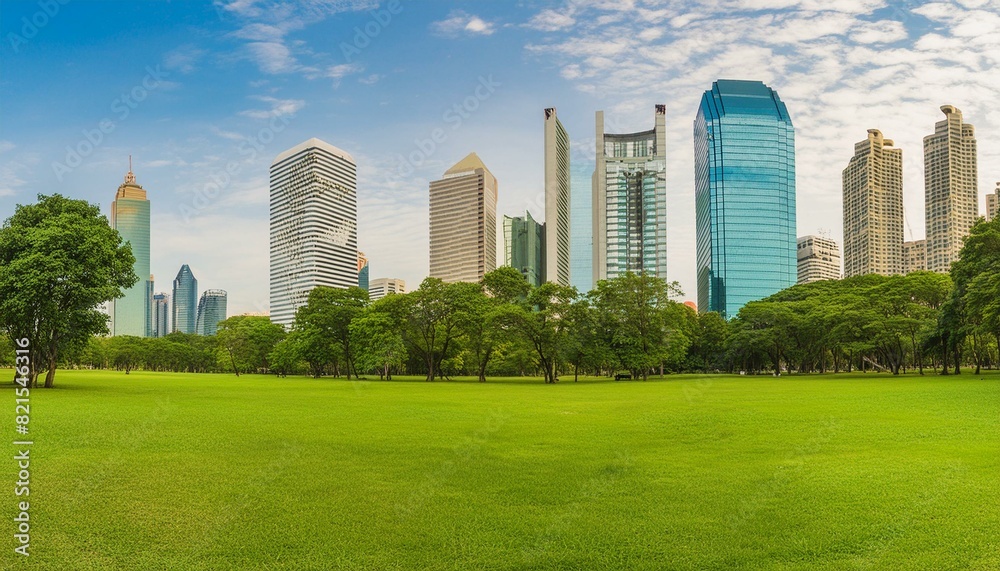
<point x="314" y="213"/>
<point x="818" y="259"/>
<point x="524" y="247"/>
<point x="463" y="222"/>
<point x="993" y="203"/>
<point x="581" y="226"/>
<point x="873" y="208"/>
<point x="132" y="314"/>
<point x="951" y="188"/>
<point x="363" y="271"/>
<point x="161" y="314"/>
<point x="185" y="300"/>
<point x="630" y="201"/>
<point x="381" y="287"/>
<point x="557" y="201"/>
<point x="211" y="311"/>
<point x="744" y="154"/>
<point x="914" y="256"/>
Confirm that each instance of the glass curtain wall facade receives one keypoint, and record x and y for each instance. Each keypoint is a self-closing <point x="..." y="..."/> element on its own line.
<point x="211" y="311"/>
<point x="161" y="314"/>
<point x="744" y="147"/>
<point x="132" y="314"/>
<point x="525" y="247"/>
<point x="581" y="234"/>
<point x="185" y="300"/>
<point x="363" y="273"/>
<point x="557" y="200"/>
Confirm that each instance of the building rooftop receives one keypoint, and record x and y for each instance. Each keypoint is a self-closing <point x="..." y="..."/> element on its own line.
<point x="313" y="143"/>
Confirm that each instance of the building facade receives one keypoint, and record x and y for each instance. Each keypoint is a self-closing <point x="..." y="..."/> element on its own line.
<point x="558" y="199"/>
<point x="211" y="311"/>
<point x="363" y="271"/>
<point x="313" y="228"/>
<point x="873" y="208"/>
<point x="463" y="222"/>
<point x="161" y="314"/>
<point x="185" y="301"/>
<point x="744" y="145"/>
<point x="993" y="204"/>
<point x="525" y="247"/>
<point x="818" y="259"/>
<point x="951" y="188"/>
<point x="581" y="271"/>
<point x="381" y="287"/>
<point x="132" y="314"/>
<point x="914" y="256"/>
<point x="629" y="201"/>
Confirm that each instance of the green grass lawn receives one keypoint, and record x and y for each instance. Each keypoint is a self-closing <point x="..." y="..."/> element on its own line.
<point x="183" y="471"/>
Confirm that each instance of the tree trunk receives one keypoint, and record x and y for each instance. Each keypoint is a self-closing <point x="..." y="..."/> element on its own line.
<point x="50" y="376"/>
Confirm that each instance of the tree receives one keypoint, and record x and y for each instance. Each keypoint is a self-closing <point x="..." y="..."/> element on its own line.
<point x="59" y="261"/>
<point x="377" y="341"/>
<point x="542" y="320"/>
<point x="429" y="321"/>
<point x="246" y="342"/>
<point x="709" y="347"/>
<point x="974" y="309"/>
<point x="126" y="352"/>
<point x="327" y="317"/>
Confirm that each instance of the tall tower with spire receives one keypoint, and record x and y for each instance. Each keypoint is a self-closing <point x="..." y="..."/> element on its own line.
<point x="132" y="314"/>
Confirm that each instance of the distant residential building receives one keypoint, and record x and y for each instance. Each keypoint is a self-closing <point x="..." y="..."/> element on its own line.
<point x="993" y="203"/>
<point x="132" y="314"/>
<point x="185" y="301"/>
<point x="581" y="270"/>
<point x="211" y="311"/>
<point x="630" y="201"/>
<point x="744" y="145"/>
<point x="463" y="222"/>
<point x="161" y="314"/>
<point x="818" y="259"/>
<point x="314" y="214"/>
<point x="381" y="287"/>
<point x="362" y="271"/>
<point x="524" y="247"/>
<point x="557" y="201"/>
<point x="951" y="188"/>
<point x="914" y="256"/>
<point x="873" y="208"/>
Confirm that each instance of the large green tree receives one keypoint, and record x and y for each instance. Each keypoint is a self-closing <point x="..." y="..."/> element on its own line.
<point x="325" y="321"/>
<point x="59" y="261"/>
<point x="246" y="341"/>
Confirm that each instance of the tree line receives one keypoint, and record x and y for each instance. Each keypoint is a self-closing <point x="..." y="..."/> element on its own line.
<point x="502" y="326"/>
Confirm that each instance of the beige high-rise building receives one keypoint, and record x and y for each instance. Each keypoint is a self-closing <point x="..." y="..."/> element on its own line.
<point x="873" y="208"/>
<point x="993" y="204"/>
<point x="557" y="200"/>
<point x="381" y="287"/>
<point x="818" y="259"/>
<point x="463" y="219"/>
<point x="951" y="188"/>
<point x="915" y="256"/>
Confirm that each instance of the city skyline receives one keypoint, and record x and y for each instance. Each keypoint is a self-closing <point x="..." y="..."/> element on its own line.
<point x="215" y="94"/>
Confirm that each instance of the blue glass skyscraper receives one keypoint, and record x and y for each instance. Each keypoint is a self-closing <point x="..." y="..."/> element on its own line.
<point x="744" y="147"/>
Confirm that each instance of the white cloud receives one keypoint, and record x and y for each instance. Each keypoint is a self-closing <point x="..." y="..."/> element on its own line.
<point x="279" y="108"/>
<point x="183" y="58"/>
<point x="459" y="22"/>
<point x="6" y="146"/>
<point x="551" y="21"/>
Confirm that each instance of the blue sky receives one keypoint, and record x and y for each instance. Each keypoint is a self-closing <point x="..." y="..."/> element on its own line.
<point x="190" y="88"/>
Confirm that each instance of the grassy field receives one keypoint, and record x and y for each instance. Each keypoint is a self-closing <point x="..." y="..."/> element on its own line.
<point x="181" y="471"/>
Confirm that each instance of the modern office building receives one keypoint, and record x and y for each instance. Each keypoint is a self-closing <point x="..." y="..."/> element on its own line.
<point x="993" y="203"/>
<point x="818" y="259"/>
<point x="463" y="222"/>
<point x="524" y="247"/>
<point x="873" y="208"/>
<point x="914" y="256"/>
<point x="557" y="201"/>
<point x="629" y="201"/>
<point x="381" y="287"/>
<point x="185" y="301"/>
<point x="132" y="314"/>
<point x="581" y="271"/>
<point x="363" y="271"/>
<point x="314" y="214"/>
<point x="951" y="188"/>
<point x="161" y="314"/>
<point x="211" y="311"/>
<point x="744" y="147"/>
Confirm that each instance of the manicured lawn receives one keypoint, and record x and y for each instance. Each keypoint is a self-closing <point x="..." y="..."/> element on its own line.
<point x="180" y="471"/>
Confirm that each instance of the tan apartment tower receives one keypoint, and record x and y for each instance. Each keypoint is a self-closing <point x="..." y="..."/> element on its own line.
<point x="557" y="200"/>
<point x="463" y="220"/>
<point x="818" y="259"/>
<point x="915" y="256"/>
<point x="873" y="208"/>
<point x="951" y="189"/>
<point x="993" y="204"/>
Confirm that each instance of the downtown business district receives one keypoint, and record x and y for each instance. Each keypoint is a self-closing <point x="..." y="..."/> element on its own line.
<point x="747" y="247"/>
